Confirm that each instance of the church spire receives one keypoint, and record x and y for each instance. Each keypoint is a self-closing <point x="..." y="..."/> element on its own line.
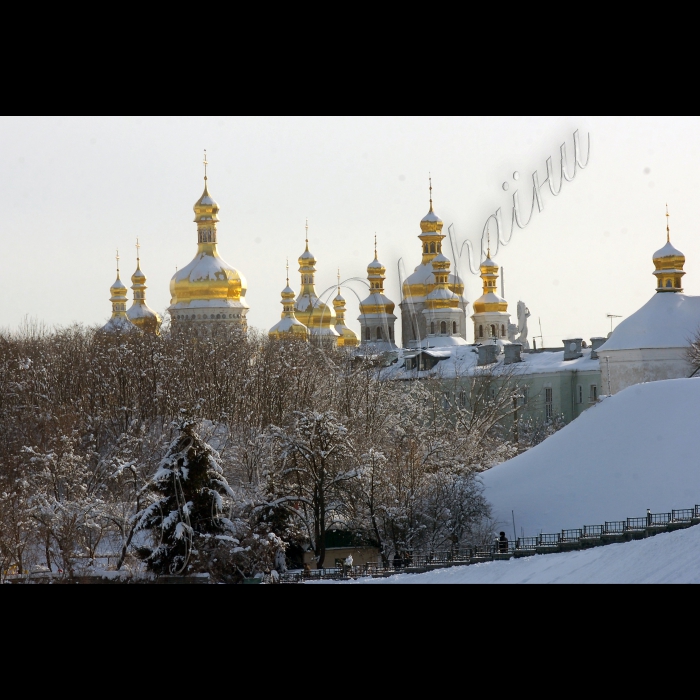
<point x="140" y="314"/>
<point x="668" y="264"/>
<point x="206" y="212"/>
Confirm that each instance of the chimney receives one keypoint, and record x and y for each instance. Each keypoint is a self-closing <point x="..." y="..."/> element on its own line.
<point x="487" y="355"/>
<point x="512" y="353"/>
<point x="572" y="348"/>
<point x="595" y="344"/>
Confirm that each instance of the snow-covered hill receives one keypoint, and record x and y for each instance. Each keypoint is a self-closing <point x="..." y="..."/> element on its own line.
<point x="666" y="558"/>
<point x="636" y="450"/>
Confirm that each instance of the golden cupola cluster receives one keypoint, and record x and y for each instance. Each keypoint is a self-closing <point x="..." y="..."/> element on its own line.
<point x="139" y="316"/>
<point x="207" y="293"/>
<point x="669" y="263"/>
<point x="316" y="315"/>
<point x="422" y="282"/>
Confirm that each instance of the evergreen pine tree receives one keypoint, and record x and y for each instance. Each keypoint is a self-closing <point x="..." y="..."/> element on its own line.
<point x="185" y="516"/>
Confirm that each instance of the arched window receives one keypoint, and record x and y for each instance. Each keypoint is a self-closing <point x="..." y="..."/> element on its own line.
<point x="425" y="248"/>
<point x="432" y="247"/>
<point x="368" y="334"/>
<point x="493" y="331"/>
<point x="678" y="283"/>
<point x="432" y="328"/>
<point x="454" y="327"/>
<point x="379" y="333"/>
<point x="503" y="331"/>
<point x="668" y="284"/>
<point x="481" y="331"/>
<point x="443" y="328"/>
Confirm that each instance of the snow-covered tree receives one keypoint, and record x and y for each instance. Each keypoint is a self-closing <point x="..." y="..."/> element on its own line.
<point x="187" y="516"/>
<point x="316" y="462"/>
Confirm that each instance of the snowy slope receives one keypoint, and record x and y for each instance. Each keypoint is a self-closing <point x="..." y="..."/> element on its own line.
<point x="665" y="321"/>
<point x="667" y="558"/>
<point x="636" y="450"/>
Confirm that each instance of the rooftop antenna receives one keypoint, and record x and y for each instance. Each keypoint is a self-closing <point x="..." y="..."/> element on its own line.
<point x="611" y="317"/>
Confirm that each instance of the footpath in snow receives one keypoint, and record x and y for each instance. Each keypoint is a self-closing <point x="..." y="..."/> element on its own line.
<point x="636" y="450"/>
<point x="666" y="558"/>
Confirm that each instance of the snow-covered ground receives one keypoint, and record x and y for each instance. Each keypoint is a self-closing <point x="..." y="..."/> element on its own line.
<point x="636" y="450"/>
<point x="667" y="558"/>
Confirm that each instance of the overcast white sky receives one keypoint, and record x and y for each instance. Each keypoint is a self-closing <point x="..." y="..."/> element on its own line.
<point x="75" y="188"/>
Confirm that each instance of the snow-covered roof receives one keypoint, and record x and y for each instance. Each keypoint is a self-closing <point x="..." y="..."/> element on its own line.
<point x="461" y="360"/>
<point x="375" y="264"/>
<point x="617" y="459"/>
<point x="667" y="320"/>
<point x="376" y="299"/>
<point x="119" y="324"/>
<point x="438" y="354"/>
<point x="208" y="267"/>
<point x="423" y="274"/>
<point x="441" y="293"/>
<point x="489" y="298"/>
<point x="668" y="251"/>
<point x="140" y="311"/>
<point x="285" y="324"/>
<point x="432" y="217"/>
<point x="488" y="263"/>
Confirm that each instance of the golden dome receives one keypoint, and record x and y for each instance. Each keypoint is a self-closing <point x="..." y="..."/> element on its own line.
<point x="489" y="300"/>
<point x="289" y="326"/>
<point x="140" y="314"/>
<point x="205" y="208"/>
<point x="310" y="310"/>
<point x="348" y="338"/>
<point x="118" y="321"/>
<point x="208" y="284"/>
<point x="668" y="263"/>
<point x="421" y="281"/>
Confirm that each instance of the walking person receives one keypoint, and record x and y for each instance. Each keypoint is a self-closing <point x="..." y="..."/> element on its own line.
<point x="503" y="544"/>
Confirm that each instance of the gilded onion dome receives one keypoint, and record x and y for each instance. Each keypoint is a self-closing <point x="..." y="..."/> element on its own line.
<point x="669" y="263"/>
<point x="289" y="326"/>
<point x="421" y="282"/>
<point x="318" y="317"/>
<point x="119" y="320"/>
<point x="377" y="310"/>
<point x="140" y="314"/>
<point x="208" y="289"/>
<point x="489" y="300"/>
<point x="347" y="339"/>
<point x="491" y="318"/>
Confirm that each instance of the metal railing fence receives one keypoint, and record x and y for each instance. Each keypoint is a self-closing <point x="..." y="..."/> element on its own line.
<point x="424" y="561"/>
